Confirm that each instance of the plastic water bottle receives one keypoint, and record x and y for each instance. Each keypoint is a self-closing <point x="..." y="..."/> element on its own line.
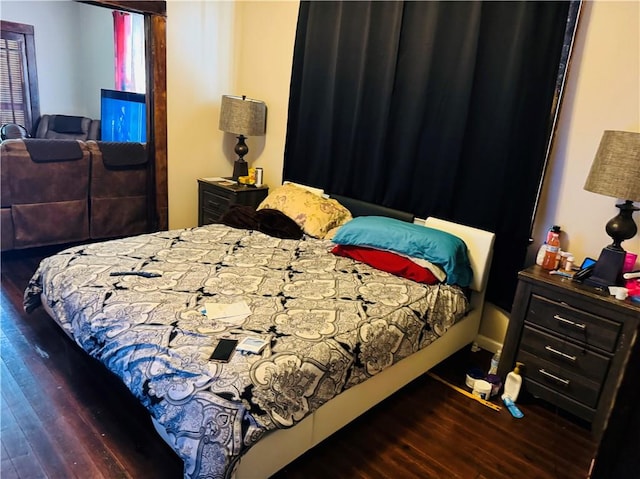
<point x="543" y="248"/>
<point x="495" y="361"/>
<point x="550" y="260"/>
<point x="552" y="230"/>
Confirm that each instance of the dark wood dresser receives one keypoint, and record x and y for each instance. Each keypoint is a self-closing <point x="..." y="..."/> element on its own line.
<point x="215" y="198"/>
<point x="574" y="342"/>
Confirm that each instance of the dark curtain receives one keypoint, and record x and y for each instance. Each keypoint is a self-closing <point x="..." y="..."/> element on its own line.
<point x="437" y="108"/>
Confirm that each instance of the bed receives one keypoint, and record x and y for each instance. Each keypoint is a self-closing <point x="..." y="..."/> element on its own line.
<point x="341" y="335"/>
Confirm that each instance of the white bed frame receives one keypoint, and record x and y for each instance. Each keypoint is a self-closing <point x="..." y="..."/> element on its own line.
<point x="280" y="447"/>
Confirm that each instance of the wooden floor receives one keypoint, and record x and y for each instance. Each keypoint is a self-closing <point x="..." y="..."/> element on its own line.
<point x="65" y="416"/>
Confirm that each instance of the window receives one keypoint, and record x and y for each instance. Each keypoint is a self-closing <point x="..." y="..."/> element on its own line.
<point x="19" y="100"/>
<point x="130" y="72"/>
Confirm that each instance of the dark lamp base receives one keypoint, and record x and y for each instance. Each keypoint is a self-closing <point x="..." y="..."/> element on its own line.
<point x="608" y="269"/>
<point x="622" y="227"/>
<point x="240" y="168"/>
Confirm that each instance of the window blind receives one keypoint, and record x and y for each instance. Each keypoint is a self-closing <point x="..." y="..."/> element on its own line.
<point x="19" y="99"/>
<point x="12" y="92"/>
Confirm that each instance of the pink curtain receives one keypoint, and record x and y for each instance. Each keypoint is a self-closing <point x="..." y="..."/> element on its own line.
<point x="121" y="42"/>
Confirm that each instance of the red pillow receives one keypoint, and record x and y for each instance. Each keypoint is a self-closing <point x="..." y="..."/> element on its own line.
<point x="387" y="261"/>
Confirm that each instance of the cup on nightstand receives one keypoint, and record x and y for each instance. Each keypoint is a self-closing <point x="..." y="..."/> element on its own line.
<point x="622" y="293"/>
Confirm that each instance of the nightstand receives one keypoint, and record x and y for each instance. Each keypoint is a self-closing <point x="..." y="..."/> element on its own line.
<point x="216" y="197"/>
<point x="574" y="342"/>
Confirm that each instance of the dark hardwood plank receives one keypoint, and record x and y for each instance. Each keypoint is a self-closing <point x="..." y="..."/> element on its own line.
<point x="79" y="415"/>
<point x="17" y="452"/>
<point x="60" y="406"/>
<point x="58" y="422"/>
<point x="38" y="442"/>
<point x="440" y="433"/>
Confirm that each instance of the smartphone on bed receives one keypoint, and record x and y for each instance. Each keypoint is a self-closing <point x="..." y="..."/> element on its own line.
<point x="224" y="349"/>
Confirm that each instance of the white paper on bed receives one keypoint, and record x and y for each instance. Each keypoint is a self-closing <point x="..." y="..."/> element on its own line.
<point x="234" y="313"/>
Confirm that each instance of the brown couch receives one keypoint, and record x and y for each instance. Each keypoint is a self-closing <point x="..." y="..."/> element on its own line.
<point x="66" y="191"/>
<point x="65" y="127"/>
<point x="55" y="127"/>
<point x="120" y="181"/>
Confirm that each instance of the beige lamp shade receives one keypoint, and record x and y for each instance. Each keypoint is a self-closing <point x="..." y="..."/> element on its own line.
<point x="242" y="116"/>
<point x="615" y="170"/>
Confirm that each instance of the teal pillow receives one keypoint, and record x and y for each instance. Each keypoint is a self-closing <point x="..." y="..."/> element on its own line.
<point x="441" y="248"/>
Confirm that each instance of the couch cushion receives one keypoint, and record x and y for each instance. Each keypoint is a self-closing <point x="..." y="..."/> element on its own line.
<point x="119" y="189"/>
<point x="42" y="150"/>
<point x="67" y="124"/>
<point x="50" y="223"/>
<point x="116" y="182"/>
<point x="49" y="127"/>
<point x="25" y="181"/>
<point x="115" y="217"/>
<point x="117" y="154"/>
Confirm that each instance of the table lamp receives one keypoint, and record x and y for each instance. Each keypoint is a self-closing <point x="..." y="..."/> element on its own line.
<point x="615" y="172"/>
<point x="244" y="117"/>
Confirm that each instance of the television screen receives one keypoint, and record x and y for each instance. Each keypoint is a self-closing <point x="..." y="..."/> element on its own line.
<point x="123" y="116"/>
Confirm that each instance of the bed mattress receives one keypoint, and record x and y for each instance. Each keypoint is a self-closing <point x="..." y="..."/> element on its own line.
<point x="330" y="323"/>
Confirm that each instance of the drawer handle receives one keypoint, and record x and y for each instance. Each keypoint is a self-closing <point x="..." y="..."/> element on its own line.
<point x="569" y="322"/>
<point x="565" y="382"/>
<point x="560" y="353"/>
<point x="212" y="203"/>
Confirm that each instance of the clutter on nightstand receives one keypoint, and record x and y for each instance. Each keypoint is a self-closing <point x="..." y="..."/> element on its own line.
<point x="632" y="284"/>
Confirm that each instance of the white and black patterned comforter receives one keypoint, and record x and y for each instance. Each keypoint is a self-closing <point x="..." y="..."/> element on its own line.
<point x="331" y="323"/>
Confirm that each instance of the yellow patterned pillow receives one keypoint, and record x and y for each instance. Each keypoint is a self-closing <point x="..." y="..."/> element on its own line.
<point x="314" y="214"/>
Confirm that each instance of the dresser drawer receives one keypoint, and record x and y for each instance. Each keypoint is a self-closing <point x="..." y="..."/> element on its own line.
<point x="215" y="203"/>
<point x="565" y="354"/>
<point x="210" y="217"/>
<point x="217" y="196"/>
<point x="562" y="380"/>
<point x="575" y="343"/>
<point x="584" y="327"/>
<point x="548" y="394"/>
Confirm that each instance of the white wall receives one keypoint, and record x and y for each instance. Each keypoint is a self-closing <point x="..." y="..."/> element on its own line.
<point x="96" y="56"/>
<point x="213" y="49"/>
<point x="267" y="75"/>
<point x="74" y="52"/>
<point x="53" y="23"/>
<point x="200" y="66"/>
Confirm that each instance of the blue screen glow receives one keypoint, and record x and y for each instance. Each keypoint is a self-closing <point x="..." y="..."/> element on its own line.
<point x="123" y="116"/>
